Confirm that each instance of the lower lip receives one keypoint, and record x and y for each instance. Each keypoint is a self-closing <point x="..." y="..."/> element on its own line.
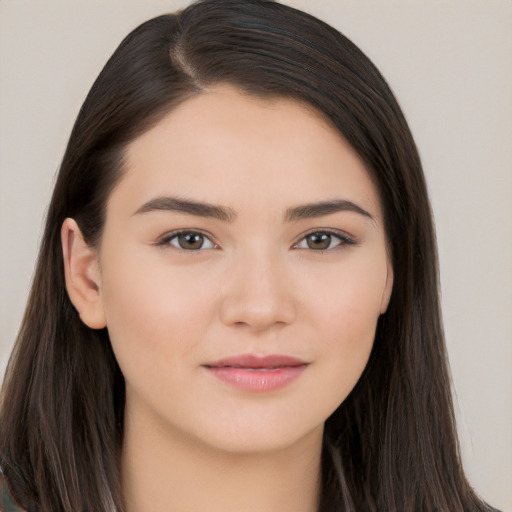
<point x="257" y="380"/>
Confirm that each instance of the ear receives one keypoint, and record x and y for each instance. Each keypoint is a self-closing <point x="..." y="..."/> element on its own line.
<point x="83" y="277"/>
<point x="388" y="288"/>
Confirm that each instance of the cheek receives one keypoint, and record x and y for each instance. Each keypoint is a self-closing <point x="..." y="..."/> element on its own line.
<point x="349" y="341"/>
<point x="346" y="319"/>
<point x="155" y="318"/>
<point x="344" y="356"/>
<point x="351" y="304"/>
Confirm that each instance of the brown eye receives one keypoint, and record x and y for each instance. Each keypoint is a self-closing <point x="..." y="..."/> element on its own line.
<point x="324" y="241"/>
<point x="189" y="241"/>
<point x="319" y="241"/>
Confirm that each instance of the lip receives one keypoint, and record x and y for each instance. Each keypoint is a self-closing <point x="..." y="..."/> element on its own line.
<point x="257" y="373"/>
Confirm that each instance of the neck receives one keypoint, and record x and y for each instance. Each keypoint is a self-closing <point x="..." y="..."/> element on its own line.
<point x="163" y="470"/>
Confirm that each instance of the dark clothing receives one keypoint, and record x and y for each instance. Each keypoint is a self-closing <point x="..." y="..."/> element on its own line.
<point x="7" y="502"/>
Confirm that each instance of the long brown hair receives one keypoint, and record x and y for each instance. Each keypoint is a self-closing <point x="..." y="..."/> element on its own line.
<point x="391" y="445"/>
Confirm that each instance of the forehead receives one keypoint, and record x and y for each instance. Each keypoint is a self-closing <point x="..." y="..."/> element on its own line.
<point x="229" y="147"/>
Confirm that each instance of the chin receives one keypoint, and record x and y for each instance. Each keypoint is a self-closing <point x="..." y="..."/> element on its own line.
<point x="263" y="439"/>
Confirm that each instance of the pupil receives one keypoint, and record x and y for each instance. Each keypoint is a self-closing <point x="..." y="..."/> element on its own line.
<point x="319" y="241"/>
<point x="191" y="241"/>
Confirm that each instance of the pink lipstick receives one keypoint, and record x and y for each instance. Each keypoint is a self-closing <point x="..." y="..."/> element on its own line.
<point x="257" y="373"/>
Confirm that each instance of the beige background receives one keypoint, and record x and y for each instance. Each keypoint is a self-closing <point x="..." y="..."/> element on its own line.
<point x="450" y="64"/>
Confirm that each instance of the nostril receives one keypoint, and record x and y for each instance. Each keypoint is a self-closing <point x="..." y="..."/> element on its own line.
<point x="257" y="294"/>
<point x="247" y="314"/>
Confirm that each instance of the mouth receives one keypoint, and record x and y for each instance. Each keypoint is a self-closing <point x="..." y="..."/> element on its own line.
<point x="257" y="373"/>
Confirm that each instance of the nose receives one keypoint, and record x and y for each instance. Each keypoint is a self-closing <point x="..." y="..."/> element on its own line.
<point x="258" y="294"/>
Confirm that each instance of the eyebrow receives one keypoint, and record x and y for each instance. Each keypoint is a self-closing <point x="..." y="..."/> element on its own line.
<point x="176" y="204"/>
<point x="322" y="208"/>
<point x="307" y="211"/>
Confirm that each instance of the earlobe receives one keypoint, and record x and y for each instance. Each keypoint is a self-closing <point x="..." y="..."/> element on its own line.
<point x="82" y="274"/>
<point x="388" y="288"/>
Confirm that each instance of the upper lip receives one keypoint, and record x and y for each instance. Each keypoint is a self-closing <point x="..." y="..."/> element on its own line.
<point x="256" y="361"/>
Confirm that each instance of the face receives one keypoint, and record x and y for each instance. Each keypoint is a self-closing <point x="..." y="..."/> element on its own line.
<point x="243" y="270"/>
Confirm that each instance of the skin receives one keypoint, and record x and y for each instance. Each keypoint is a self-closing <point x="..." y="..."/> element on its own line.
<point x="193" y="442"/>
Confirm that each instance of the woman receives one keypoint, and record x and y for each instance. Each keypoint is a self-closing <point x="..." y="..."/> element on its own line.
<point x="239" y="284"/>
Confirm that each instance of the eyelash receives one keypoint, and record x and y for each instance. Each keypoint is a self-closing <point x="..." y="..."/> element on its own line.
<point x="168" y="237"/>
<point x="343" y="239"/>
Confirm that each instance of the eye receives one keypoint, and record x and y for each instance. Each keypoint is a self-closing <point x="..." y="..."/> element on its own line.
<point x="323" y="241"/>
<point x="188" y="240"/>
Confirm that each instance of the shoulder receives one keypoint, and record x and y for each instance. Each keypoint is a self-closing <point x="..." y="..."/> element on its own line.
<point x="7" y="502"/>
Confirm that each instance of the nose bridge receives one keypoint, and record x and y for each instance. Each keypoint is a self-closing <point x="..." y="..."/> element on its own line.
<point x="258" y="292"/>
